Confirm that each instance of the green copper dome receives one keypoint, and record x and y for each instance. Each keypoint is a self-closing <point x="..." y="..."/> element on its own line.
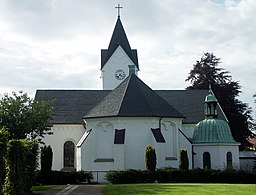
<point x="212" y="131"/>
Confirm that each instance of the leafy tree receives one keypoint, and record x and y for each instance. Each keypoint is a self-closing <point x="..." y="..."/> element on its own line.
<point x="206" y="73"/>
<point x="150" y="158"/>
<point x="24" y="117"/>
<point x="184" y="163"/>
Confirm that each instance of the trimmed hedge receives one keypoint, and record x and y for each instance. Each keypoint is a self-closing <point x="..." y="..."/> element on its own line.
<point x="4" y="134"/>
<point x="181" y="176"/>
<point x="63" y="178"/>
<point x="131" y="176"/>
<point x="21" y="162"/>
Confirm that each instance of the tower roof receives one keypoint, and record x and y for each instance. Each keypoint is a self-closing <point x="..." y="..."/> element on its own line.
<point x="210" y="97"/>
<point x="119" y="38"/>
<point x="212" y="131"/>
<point x="133" y="98"/>
<point x="211" y="105"/>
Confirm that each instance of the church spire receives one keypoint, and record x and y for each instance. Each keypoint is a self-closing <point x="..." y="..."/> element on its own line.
<point x="117" y="58"/>
<point x="119" y="38"/>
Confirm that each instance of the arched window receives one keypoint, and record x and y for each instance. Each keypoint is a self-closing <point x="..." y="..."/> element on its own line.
<point x="69" y="154"/>
<point x="206" y="160"/>
<point x="229" y="160"/>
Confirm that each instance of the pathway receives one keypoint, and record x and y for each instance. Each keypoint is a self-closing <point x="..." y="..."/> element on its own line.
<point x="73" y="190"/>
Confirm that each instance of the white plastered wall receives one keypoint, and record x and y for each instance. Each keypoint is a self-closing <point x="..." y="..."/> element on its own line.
<point x="119" y="60"/>
<point x="129" y="155"/>
<point x="61" y="134"/>
<point x="188" y="130"/>
<point x="218" y="154"/>
<point x="185" y="144"/>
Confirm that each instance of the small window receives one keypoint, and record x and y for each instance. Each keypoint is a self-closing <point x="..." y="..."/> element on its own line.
<point x="158" y="135"/>
<point x="229" y="160"/>
<point x="69" y="154"/>
<point x="206" y="160"/>
<point x="119" y="136"/>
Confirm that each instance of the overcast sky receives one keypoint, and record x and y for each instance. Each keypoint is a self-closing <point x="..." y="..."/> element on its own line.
<point x="55" y="44"/>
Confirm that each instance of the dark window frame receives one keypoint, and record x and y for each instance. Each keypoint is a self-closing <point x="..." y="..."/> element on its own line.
<point x="206" y="160"/>
<point x="69" y="154"/>
<point x="158" y="135"/>
<point x="229" y="160"/>
<point x="119" y="136"/>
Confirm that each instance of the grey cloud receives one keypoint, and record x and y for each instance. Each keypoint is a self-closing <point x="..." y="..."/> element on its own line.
<point x="169" y="35"/>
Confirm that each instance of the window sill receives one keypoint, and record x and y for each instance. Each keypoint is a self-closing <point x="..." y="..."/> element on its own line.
<point x="170" y="158"/>
<point x="104" y="160"/>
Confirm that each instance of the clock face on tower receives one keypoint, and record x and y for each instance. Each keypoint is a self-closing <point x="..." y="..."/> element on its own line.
<point x="120" y="74"/>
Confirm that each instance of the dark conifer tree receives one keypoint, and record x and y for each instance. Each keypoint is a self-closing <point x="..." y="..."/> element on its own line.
<point x="150" y="158"/>
<point x="206" y="73"/>
<point x="46" y="163"/>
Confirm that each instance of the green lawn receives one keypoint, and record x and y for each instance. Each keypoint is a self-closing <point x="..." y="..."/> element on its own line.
<point x="42" y="187"/>
<point x="180" y="189"/>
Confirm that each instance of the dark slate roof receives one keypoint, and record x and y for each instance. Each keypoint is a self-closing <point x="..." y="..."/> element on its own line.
<point x="71" y="105"/>
<point x="119" y="38"/>
<point x="190" y="103"/>
<point x="135" y="99"/>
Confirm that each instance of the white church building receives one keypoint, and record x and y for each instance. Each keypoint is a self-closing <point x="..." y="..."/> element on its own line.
<point x="109" y="129"/>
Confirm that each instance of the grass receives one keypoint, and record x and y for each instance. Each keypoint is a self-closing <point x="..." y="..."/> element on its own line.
<point x="42" y="187"/>
<point x="180" y="189"/>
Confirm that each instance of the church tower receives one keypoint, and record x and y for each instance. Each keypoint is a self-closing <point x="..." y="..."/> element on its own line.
<point x="118" y="58"/>
<point x="213" y="144"/>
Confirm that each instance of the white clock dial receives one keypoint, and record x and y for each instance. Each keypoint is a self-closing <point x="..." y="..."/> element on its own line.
<point x="120" y="74"/>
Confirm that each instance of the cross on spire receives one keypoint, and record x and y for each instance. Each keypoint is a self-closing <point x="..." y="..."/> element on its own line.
<point x="118" y="10"/>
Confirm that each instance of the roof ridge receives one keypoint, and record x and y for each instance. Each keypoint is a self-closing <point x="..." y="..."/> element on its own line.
<point x="162" y="99"/>
<point x="144" y="101"/>
<point x="149" y="106"/>
<point x="125" y="91"/>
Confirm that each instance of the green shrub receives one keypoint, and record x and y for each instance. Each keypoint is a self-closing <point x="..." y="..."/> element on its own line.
<point x="184" y="163"/>
<point x="170" y="175"/>
<point x="63" y="178"/>
<point x="150" y="158"/>
<point x="130" y="176"/>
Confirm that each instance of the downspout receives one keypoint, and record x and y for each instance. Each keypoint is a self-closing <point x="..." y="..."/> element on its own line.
<point x="193" y="156"/>
<point x="160" y="123"/>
